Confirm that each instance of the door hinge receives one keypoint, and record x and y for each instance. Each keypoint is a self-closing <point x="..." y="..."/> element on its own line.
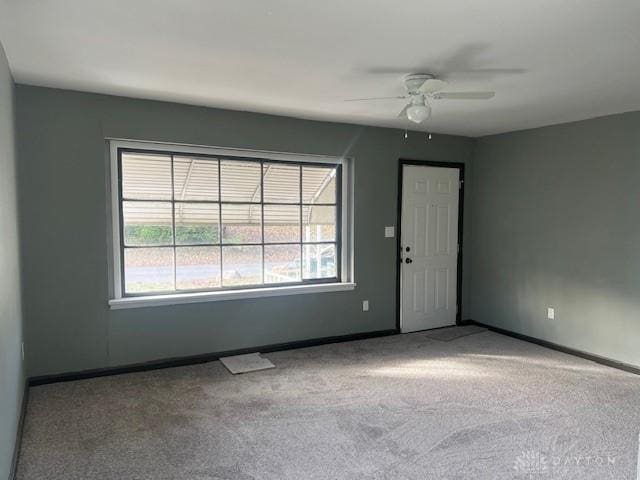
<point x="460" y="183"/>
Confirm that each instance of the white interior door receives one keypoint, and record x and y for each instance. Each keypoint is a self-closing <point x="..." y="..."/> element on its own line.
<point x="429" y="241"/>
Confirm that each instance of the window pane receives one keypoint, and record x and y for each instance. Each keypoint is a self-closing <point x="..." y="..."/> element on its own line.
<point x="319" y="223"/>
<point x="281" y="223"/>
<point x="319" y="184"/>
<point x="241" y="223"/>
<point x="240" y="181"/>
<point x="197" y="268"/>
<point x="281" y="263"/>
<point x="195" y="179"/>
<point x="146" y="177"/>
<point x="147" y="223"/>
<point x="281" y="183"/>
<point x="319" y="261"/>
<point x="148" y="270"/>
<point x="241" y="266"/>
<point x="197" y="223"/>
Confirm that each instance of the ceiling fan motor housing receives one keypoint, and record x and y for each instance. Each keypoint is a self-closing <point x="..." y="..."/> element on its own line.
<point x="415" y="80"/>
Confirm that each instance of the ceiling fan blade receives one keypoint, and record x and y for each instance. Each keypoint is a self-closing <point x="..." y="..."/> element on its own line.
<point x="432" y="85"/>
<point x="464" y="95"/>
<point x="373" y="98"/>
<point x="403" y="112"/>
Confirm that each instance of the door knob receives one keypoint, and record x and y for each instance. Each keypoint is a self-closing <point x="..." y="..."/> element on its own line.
<point x="408" y="260"/>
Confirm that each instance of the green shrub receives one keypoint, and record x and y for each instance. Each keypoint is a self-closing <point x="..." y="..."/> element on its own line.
<point x="162" y="234"/>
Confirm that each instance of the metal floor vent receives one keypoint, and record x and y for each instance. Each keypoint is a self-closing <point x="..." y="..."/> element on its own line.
<point x="250" y="362"/>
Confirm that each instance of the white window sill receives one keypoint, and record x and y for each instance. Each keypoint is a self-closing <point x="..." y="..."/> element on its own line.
<point x="180" y="298"/>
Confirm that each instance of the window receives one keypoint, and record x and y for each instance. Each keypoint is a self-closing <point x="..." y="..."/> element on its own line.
<point x="210" y="222"/>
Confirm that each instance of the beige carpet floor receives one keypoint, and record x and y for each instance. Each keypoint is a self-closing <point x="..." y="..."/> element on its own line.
<point x="483" y="406"/>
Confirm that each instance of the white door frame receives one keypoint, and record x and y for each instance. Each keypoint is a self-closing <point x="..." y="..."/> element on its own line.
<point x="399" y="259"/>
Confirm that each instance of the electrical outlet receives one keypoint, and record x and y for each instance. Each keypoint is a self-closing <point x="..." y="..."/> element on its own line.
<point x="365" y="305"/>
<point x="22" y="349"/>
<point x="551" y="313"/>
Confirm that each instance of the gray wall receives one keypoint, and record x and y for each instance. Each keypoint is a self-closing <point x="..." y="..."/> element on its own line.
<point x="62" y="181"/>
<point x="552" y="210"/>
<point x="556" y="222"/>
<point x="11" y="369"/>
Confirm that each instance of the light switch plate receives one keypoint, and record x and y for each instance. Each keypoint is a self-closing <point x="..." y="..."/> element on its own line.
<point x="551" y="313"/>
<point x="365" y="305"/>
<point x="389" y="232"/>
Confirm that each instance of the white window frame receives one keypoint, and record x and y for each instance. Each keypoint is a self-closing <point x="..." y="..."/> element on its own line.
<point x="118" y="300"/>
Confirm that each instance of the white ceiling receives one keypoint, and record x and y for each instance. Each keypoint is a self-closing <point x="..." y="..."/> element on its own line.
<point x="549" y="61"/>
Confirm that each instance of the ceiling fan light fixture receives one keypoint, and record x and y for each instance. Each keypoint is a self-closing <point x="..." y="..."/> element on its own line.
<point x="418" y="113"/>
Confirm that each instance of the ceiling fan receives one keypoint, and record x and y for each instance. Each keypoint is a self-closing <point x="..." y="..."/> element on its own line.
<point x="422" y="87"/>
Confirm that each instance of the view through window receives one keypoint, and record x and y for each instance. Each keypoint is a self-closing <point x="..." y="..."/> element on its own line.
<point x="202" y="223"/>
